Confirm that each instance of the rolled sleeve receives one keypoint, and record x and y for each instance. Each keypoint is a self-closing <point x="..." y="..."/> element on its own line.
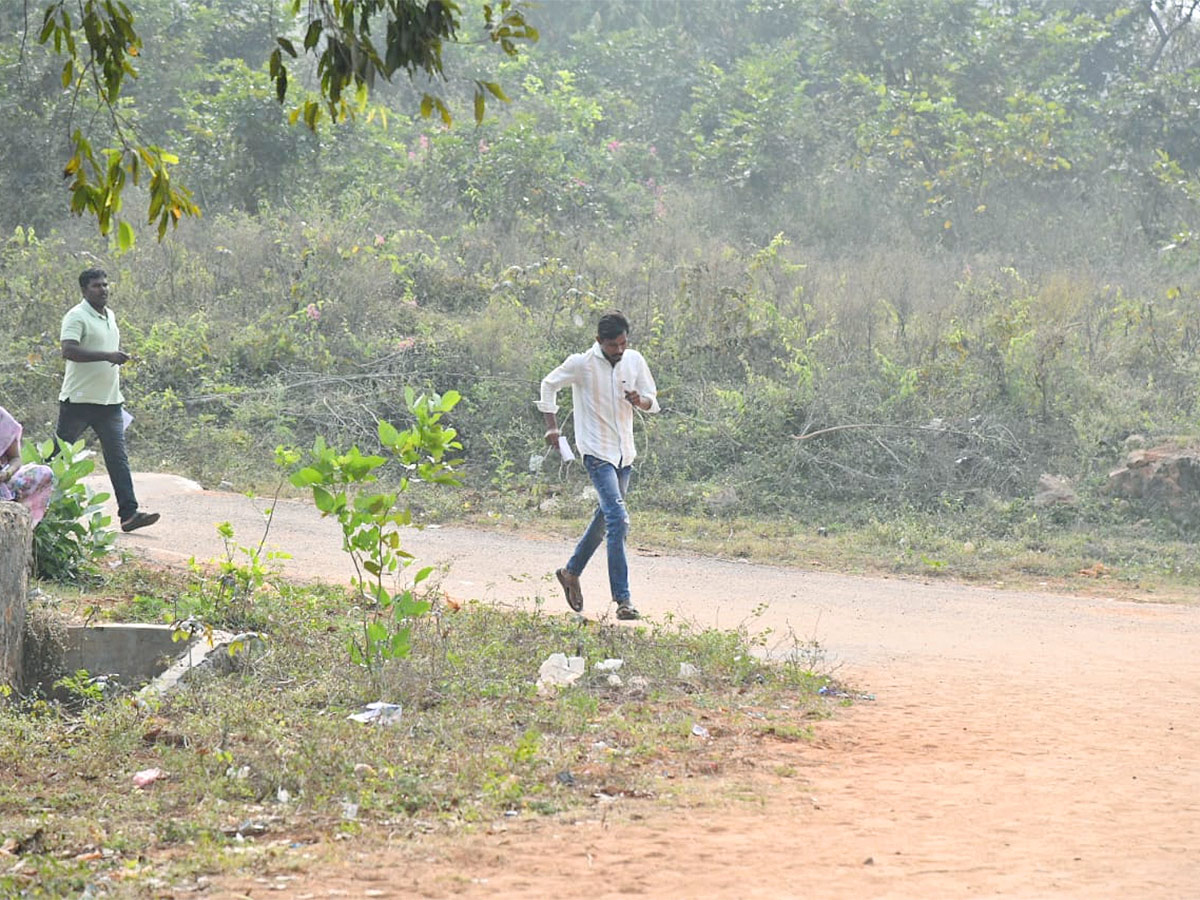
<point x="647" y="388"/>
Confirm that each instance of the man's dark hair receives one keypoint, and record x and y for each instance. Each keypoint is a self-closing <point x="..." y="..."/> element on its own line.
<point x="87" y="276"/>
<point x="612" y="325"/>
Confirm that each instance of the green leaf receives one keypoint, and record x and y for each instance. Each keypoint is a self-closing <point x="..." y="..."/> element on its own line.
<point x="323" y="499"/>
<point x="125" y="237"/>
<point x="389" y="435"/>
<point x="306" y="476"/>
<point x="313" y="36"/>
<point x="496" y="91"/>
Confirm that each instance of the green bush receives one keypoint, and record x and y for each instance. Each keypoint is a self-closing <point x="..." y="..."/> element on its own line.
<point x="74" y="535"/>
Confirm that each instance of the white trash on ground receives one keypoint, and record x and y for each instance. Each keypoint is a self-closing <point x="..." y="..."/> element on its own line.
<point x="379" y="713"/>
<point x="559" y="670"/>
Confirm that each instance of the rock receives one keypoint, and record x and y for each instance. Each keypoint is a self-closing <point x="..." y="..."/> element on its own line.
<point x="1167" y="476"/>
<point x="1053" y="490"/>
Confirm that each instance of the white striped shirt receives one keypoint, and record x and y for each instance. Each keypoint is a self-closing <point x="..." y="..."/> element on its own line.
<point x="603" y="417"/>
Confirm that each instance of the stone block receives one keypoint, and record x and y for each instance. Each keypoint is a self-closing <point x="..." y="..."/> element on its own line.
<point x="16" y="553"/>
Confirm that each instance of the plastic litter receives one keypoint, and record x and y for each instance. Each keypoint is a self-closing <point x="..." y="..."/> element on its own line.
<point x="609" y="665"/>
<point x="827" y="691"/>
<point x="559" y="670"/>
<point x="379" y="713"/>
<point x="699" y="730"/>
<point x="147" y="777"/>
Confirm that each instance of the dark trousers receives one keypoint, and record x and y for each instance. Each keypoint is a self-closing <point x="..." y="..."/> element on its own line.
<point x="76" y="418"/>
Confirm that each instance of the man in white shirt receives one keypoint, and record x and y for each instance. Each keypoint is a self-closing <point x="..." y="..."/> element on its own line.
<point x="607" y="382"/>
<point x="91" y="390"/>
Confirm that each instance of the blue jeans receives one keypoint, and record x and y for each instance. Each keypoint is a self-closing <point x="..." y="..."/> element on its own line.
<point x="75" y="418"/>
<point x="611" y="518"/>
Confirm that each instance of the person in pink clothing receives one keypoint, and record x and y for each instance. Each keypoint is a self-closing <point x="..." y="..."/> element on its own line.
<point x="30" y="485"/>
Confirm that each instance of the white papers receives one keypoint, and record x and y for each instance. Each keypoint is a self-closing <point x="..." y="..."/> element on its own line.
<point x="564" y="449"/>
<point x="126" y="418"/>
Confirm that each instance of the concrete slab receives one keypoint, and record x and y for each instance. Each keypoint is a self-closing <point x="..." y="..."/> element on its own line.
<point x="16" y="551"/>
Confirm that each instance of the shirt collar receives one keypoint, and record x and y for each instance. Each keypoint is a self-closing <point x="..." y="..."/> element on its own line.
<point x="91" y="309"/>
<point x="599" y="354"/>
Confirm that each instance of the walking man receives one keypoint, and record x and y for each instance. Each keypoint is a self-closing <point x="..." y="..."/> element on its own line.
<point x="91" y="390"/>
<point x="607" y="382"/>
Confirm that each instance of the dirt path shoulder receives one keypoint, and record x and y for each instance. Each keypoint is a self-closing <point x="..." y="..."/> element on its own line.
<point x="1020" y="744"/>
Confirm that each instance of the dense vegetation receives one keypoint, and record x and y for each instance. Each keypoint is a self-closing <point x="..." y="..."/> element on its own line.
<point x="951" y="241"/>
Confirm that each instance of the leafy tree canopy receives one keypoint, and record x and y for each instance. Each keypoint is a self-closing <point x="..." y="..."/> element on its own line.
<point x="352" y="44"/>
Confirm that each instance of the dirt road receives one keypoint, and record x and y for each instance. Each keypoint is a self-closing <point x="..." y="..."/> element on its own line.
<point x="1020" y="744"/>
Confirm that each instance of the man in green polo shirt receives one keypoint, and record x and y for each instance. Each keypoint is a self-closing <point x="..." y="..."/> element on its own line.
<point x="91" y="391"/>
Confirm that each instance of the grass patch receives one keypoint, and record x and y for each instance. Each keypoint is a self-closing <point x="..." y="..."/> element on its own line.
<point x="1132" y="560"/>
<point x="268" y="754"/>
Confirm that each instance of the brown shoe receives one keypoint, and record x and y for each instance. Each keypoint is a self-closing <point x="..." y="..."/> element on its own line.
<point x="626" y="611"/>
<point x="139" y="520"/>
<point x="570" y="586"/>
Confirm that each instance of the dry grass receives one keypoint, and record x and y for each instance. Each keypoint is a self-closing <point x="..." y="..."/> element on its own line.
<point x="269" y="755"/>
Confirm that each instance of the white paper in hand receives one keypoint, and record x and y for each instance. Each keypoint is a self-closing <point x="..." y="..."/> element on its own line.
<point x="564" y="449"/>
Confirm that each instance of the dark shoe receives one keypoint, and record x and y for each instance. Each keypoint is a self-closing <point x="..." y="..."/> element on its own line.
<point x="626" y="611"/>
<point x="139" y="520"/>
<point x="570" y="586"/>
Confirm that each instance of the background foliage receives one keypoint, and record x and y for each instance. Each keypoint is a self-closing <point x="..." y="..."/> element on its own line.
<point x="950" y="244"/>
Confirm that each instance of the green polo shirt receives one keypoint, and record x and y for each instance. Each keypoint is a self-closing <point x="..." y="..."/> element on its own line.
<point x="91" y="382"/>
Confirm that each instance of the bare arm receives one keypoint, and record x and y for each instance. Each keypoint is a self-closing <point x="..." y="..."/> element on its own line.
<point x="10" y="460"/>
<point x="552" y="431"/>
<point x="72" y="351"/>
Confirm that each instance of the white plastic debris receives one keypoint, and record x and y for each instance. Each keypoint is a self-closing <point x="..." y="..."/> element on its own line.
<point x="564" y="449"/>
<point x="559" y="670"/>
<point x="609" y="665"/>
<point x="687" y="670"/>
<point x="379" y="713"/>
<point x="147" y="777"/>
<point x="699" y="730"/>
